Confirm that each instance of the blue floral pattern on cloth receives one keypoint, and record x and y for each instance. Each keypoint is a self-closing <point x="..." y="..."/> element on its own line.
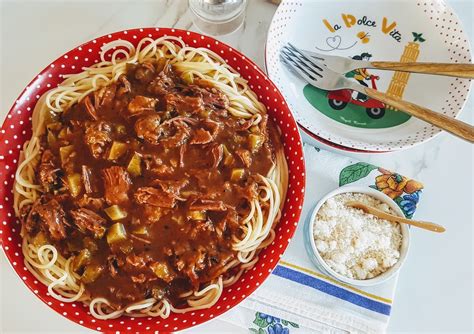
<point x="268" y="324"/>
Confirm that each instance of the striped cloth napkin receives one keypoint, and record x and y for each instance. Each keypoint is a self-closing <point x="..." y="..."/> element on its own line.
<point x="297" y="297"/>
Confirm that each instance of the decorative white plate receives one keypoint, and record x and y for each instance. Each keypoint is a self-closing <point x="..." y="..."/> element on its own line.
<point x="396" y="30"/>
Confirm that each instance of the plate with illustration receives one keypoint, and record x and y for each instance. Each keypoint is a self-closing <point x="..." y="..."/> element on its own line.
<point x="405" y="31"/>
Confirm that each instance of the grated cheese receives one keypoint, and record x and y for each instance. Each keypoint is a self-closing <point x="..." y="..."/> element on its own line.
<point x="353" y="243"/>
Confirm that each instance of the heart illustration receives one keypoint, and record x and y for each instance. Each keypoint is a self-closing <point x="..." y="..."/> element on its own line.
<point x="334" y="41"/>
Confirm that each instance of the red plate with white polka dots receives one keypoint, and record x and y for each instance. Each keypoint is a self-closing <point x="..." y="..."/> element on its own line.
<point x="17" y="129"/>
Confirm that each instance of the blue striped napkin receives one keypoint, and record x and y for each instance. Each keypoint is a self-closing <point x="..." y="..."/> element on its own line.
<point x="297" y="297"/>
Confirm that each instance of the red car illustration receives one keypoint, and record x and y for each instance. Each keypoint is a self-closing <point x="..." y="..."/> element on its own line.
<point x="339" y="99"/>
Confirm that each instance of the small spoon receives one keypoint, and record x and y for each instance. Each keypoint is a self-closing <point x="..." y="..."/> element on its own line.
<point x="383" y="215"/>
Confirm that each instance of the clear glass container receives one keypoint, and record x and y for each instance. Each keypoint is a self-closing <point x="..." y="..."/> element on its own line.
<point x="218" y="17"/>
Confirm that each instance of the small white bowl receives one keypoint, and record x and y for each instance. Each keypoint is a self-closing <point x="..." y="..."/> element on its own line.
<point x="323" y="266"/>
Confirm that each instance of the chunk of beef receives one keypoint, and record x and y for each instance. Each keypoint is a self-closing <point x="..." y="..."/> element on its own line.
<point x="170" y="186"/>
<point x="148" y="128"/>
<point x="49" y="174"/>
<point x="86" y="179"/>
<point x="97" y="136"/>
<point x="87" y="220"/>
<point x="138" y="260"/>
<point x="140" y="104"/>
<point x="201" y="136"/>
<point x="163" y="83"/>
<point x="116" y="184"/>
<point x="184" y="105"/>
<point x="245" y="156"/>
<point x="211" y="97"/>
<point x="90" y="202"/>
<point x="207" y="204"/>
<point x="104" y="97"/>
<point x="47" y="215"/>
<point x="90" y="109"/>
<point x="217" y="154"/>
<point x="144" y="72"/>
<point x="155" y="197"/>
<point x="124" y="85"/>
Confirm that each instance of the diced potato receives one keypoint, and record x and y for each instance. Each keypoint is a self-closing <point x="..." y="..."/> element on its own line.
<point x="255" y="142"/>
<point x="135" y="165"/>
<point x="74" y="183"/>
<point x="82" y="259"/>
<point x="40" y="239"/>
<point x="197" y="215"/>
<point x="162" y="271"/>
<point x="142" y="230"/>
<point x="62" y="134"/>
<point x="228" y="158"/>
<point x="117" y="150"/>
<point x="91" y="273"/>
<point x="205" y="113"/>
<point x="116" y="233"/>
<point x="115" y="212"/>
<point x="51" y="138"/>
<point x="237" y="174"/>
<point x="65" y="152"/>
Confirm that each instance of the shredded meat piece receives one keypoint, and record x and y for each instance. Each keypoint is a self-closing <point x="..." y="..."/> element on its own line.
<point x="217" y="154"/>
<point x="182" y="151"/>
<point x="201" y="137"/>
<point x="171" y="133"/>
<point x="140" y="104"/>
<point x="211" y="97"/>
<point x="125" y="86"/>
<point x="155" y="197"/>
<point x="97" y="136"/>
<point x="50" y="217"/>
<point x="144" y="72"/>
<point x="184" y="104"/>
<point x="87" y="220"/>
<point x="90" y="202"/>
<point x="174" y="133"/>
<point x="208" y="204"/>
<point x="86" y="179"/>
<point x="113" y="264"/>
<point x="163" y="83"/>
<point x="245" y="156"/>
<point x="140" y="278"/>
<point x="148" y="128"/>
<point x="243" y="124"/>
<point x="170" y="186"/>
<point x="248" y="192"/>
<point x="116" y="184"/>
<point x="137" y="260"/>
<point x="49" y="174"/>
<point x="90" y="108"/>
<point x="104" y="96"/>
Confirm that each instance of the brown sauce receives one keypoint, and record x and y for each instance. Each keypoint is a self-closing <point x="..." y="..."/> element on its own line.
<point x="184" y="199"/>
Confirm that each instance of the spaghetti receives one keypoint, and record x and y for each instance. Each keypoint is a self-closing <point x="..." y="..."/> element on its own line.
<point x="197" y="68"/>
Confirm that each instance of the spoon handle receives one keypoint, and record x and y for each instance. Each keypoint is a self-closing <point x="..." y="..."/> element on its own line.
<point x="383" y="215"/>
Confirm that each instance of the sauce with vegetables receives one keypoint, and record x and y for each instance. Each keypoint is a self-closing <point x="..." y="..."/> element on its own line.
<point x="146" y="183"/>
